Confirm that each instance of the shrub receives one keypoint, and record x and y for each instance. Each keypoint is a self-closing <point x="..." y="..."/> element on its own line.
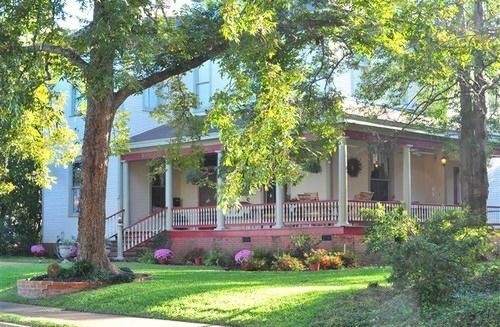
<point x="164" y="254"/>
<point x="53" y="270"/>
<point x="254" y="264"/>
<point x="264" y="254"/>
<point x="146" y="256"/>
<point x="348" y="260"/>
<point x="193" y="254"/>
<point x="315" y="256"/>
<point x="82" y="268"/>
<point x="217" y="257"/>
<point x="243" y="256"/>
<point x="303" y="243"/>
<point x="37" y="250"/>
<point x="159" y="241"/>
<point x="331" y="261"/>
<point x="435" y="261"/>
<point x="286" y="262"/>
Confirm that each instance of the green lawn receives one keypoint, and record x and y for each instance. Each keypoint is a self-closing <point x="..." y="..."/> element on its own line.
<point x="207" y="295"/>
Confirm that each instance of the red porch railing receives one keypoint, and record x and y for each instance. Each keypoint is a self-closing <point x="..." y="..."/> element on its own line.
<point x="262" y="215"/>
<point x="310" y="212"/>
<point x="194" y="217"/>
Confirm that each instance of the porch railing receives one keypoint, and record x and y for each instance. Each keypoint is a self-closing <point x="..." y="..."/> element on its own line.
<point x="194" y="217"/>
<point x="423" y="211"/>
<point x="310" y="212"/>
<point x="251" y="214"/>
<point x="144" y="229"/>
<point x="111" y="224"/>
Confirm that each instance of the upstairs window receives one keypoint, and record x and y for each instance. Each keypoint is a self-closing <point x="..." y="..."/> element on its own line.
<point x="75" y="103"/>
<point x="149" y="99"/>
<point x="76" y="182"/>
<point x="202" y="87"/>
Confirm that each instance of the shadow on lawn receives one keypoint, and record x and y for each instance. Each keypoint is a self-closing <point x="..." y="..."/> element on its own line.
<point x="221" y="297"/>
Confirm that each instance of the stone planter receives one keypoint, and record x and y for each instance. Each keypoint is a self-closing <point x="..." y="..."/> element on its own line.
<point x="32" y="289"/>
<point x="65" y="252"/>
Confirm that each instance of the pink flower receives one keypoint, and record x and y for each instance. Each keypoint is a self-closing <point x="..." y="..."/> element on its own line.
<point x="164" y="254"/>
<point x="243" y="256"/>
<point x="37" y="249"/>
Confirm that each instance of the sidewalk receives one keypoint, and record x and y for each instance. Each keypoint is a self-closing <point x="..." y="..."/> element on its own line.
<point x="87" y="319"/>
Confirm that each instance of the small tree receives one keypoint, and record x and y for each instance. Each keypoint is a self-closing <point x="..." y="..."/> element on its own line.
<point x="435" y="261"/>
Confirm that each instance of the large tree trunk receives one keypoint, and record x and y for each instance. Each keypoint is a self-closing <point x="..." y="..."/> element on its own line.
<point x="473" y="153"/>
<point x="95" y="151"/>
<point x="474" y="135"/>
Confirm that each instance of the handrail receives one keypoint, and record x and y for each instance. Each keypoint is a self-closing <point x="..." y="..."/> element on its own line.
<point x="146" y="218"/>
<point x="111" y="222"/>
<point x="144" y="229"/>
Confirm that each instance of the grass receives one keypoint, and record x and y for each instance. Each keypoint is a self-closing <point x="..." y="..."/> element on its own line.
<point x="32" y="322"/>
<point x="208" y="295"/>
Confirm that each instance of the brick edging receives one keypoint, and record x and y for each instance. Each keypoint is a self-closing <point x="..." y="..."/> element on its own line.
<point x="35" y="289"/>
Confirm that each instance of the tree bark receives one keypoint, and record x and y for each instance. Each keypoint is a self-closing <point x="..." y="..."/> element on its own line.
<point x="95" y="151"/>
<point x="473" y="134"/>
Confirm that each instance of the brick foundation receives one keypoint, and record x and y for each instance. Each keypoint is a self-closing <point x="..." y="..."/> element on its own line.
<point x="336" y="239"/>
<point x="39" y="289"/>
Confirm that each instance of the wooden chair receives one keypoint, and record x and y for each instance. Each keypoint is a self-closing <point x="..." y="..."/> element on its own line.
<point x="363" y="196"/>
<point x="308" y="196"/>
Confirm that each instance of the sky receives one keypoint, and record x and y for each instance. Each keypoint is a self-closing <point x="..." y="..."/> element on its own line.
<point x="75" y="14"/>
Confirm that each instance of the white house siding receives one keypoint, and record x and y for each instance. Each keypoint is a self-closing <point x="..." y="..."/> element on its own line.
<point x="494" y="179"/>
<point x="140" y="190"/>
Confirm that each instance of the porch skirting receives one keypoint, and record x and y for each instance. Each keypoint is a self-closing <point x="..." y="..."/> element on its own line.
<point x="230" y="241"/>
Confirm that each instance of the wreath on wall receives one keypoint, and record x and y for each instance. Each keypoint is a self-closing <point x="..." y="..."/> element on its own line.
<point x="353" y="167"/>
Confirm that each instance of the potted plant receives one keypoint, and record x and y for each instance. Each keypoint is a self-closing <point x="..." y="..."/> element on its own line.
<point x="163" y="255"/>
<point x="38" y="251"/>
<point x="313" y="259"/>
<point x="242" y="257"/>
<point x="195" y="256"/>
<point x="65" y="248"/>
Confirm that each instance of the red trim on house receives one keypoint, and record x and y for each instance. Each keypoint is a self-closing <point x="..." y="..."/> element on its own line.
<point x="421" y="144"/>
<point x="347" y="230"/>
<point x="148" y="155"/>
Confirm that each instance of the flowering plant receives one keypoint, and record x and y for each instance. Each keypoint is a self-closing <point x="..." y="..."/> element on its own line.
<point x="74" y="251"/>
<point x="315" y="256"/>
<point x="37" y="249"/>
<point x="243" y="256"/>
<point x="165" y="254"/>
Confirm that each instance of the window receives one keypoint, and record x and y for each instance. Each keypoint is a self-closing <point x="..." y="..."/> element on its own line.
<point x="149" y="99"/>
<point x="379" y="176"/>
<point x="76" y="103"/>
<point x="202" y="86"/>
<point x="76" y="181"/>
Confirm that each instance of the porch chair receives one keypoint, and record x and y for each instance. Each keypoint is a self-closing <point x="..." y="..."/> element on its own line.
<point x="308" y="196"/>
<point x="363" y="196"/>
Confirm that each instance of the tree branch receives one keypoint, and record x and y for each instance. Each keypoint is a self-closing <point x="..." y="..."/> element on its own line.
<point x="121" y="95"/>
<point x="69" y="54"/>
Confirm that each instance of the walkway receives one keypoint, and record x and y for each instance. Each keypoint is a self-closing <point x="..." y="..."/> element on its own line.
<point x="87" y="319"/>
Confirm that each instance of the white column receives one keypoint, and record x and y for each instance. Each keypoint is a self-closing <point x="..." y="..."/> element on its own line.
<point x="407" y="177"/>
<point x="280" y="199"/>
<point x="329" y="179"/>
<point x="169" y="195"/>
<point x="220" y="214"/>
<point x="119" y="241"/>
<point x="342" y="172"/>
<point x="125" y="194"/>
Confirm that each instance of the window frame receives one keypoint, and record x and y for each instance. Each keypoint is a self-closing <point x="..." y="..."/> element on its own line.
<point x="72" y="189"/>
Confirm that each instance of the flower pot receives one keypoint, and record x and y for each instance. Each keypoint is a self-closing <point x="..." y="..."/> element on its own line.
<point x="314" y="266"/>
<point x="65" y="252"/>
<point x="245" y="266"/>
<point x="162" y="261"/>
<point x="198" y="261"/>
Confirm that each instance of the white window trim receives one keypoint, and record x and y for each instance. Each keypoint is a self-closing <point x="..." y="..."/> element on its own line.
<point x="196" y="83"/>
<point x="71" y="189"/>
